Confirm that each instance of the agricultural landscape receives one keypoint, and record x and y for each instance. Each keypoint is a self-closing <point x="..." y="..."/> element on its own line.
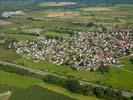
<point x="66" y="50"/>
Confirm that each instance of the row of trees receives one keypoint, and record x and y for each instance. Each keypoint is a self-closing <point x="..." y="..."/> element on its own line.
<point x="74" y="85"/>
<point x="17" y="70"/>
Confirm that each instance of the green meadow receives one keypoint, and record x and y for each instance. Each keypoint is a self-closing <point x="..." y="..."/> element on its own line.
<point x="117" y="77"/>
<point x="62" y="21"/>
<point x="48" y="20"/>
<point x="18" y="83"/>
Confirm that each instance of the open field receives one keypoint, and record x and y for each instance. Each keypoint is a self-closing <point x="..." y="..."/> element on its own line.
<point x="4" y="22"/>
<point x="63" y="20"/>
<point x="117" y="77"/>
<point x="59" y="23"/>
<point x="51" y="4"/>
<point x="63" y="14"/>
<point x="127" y="64"/>
<point x="15" y="82"/>
<point x="21" y="36"/>
<point x="38" y="93"/>
<point x="104" y="9"/>
<point x="8" y="55"/>
<point x="56" y="34"/>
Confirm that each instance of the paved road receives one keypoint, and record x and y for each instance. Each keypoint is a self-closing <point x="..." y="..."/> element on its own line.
<point x="43" y="73"/>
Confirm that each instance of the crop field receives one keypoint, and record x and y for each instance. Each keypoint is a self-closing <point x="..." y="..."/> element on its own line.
<point x="63" y="14"/>
<point x="51" y="4"/>
<point x="4" y="22"/>
<point x="14" y="82"/>
<point x="64" y="20"/>
<point x="127" y="64"/>
<point x="38" y="93"/>
<point x="104" y="9"/>
<point x="8" y="55"/>
<point x="116" y="78"/>
<point x="61" y="23"/>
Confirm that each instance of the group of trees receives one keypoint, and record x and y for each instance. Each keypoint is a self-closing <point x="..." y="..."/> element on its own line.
<point x="103" y="69"/>
<point x="131" y="60"/>
<point x="74" y="85"/>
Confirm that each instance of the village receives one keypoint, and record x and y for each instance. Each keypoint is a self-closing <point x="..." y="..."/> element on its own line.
<point x="83" y="50"/>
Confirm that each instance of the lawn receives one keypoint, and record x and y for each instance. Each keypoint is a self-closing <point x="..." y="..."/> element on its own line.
<point x="15" y="82"/>
<point x="120" y="14"/>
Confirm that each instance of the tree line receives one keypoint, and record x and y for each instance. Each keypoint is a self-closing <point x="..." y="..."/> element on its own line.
<point x="74" y="85"/>
<point x="17" y="70"/>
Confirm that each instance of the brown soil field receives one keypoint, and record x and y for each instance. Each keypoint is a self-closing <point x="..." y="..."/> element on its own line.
<point x="63" y="14"/>
<point x="2" y="22"/>
<point x="97" y="9"/>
